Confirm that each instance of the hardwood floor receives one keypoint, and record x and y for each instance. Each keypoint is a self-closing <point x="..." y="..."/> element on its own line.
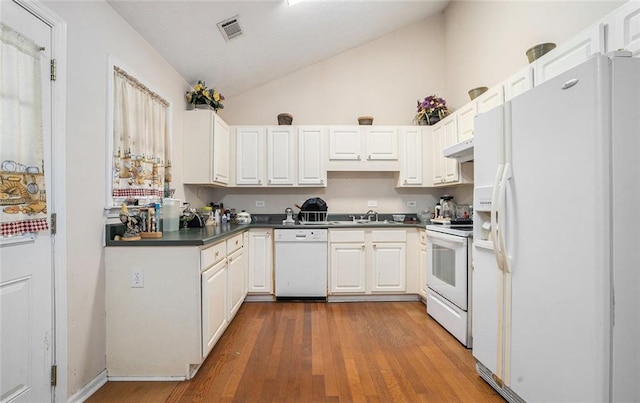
<point x="324" y="352"/>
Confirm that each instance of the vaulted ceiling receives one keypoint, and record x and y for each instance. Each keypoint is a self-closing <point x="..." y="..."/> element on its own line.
<point x="276" y="40"/>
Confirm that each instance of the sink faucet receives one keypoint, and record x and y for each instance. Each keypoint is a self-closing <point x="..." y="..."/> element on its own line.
<point x="369" y="213"/>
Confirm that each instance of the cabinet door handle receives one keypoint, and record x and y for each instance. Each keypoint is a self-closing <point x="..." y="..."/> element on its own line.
<point x="405" y="181"/>
<point x="269" y="181"/>
<point x="374" y="246"/>
<point x="358" y="157"/>
<point x="259" y="181"/>
<point x="236" y="241"/>
<point x="321" y="180"/>
<point x="268" y="234"/>
<point x="369" y="157"/>
<point x="217" y="253"/>
<point x="362" y="247"/>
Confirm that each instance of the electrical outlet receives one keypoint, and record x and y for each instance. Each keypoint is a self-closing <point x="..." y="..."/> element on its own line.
<point x="259" y="203"/>
<point x="137" y="278"/>
<point x="372" y="203"/>
<point x="411" y="203"/>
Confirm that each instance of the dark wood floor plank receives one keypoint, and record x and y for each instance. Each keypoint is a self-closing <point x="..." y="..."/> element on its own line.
<point x="324" y="352"/>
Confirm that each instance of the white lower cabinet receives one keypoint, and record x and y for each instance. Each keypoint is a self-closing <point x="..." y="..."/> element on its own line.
<point x="214" y="305"/>
<point x="260" y="261"/>
<point x="237" y="282"/>
<point x="347" y="262"/>
<point x="168" y="326"/>
<point x="388" y="266"/>
<point x="367" y="261"/>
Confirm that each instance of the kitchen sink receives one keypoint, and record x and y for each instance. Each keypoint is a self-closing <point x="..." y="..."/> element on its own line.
<point x="337" y="223"/>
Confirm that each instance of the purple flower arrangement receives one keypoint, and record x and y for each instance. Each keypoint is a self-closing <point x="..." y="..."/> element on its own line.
<point x="430" y="110"/>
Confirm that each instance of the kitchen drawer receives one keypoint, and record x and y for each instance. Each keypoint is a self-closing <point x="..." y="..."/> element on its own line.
<point x="212" y="255"/>
<point x="346" y="236"/>
<point x="234" y="243"/>
<point x="423" y="237"/>
<point x="388" y="236"/>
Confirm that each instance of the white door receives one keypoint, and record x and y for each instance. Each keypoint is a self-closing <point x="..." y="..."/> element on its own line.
<point x="26" y="275"/>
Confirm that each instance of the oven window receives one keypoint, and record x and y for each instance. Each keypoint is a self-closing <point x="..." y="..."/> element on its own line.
<point x="444" y="264"/>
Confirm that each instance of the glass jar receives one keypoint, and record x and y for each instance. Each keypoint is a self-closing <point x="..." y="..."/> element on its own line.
<point x="448" y="207"/>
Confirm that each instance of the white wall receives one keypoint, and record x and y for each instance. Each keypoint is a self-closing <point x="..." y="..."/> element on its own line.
<point x="94" y="32"/>
<point x="383" y="79"/>
<point x="486" y="41"/>
<point x="346" y="192"/>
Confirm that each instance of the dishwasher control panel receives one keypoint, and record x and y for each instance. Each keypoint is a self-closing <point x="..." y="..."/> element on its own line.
<point x="300" y="235"/>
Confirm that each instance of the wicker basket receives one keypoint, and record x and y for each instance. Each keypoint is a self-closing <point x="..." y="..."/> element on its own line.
<point x="476" y="92"/>
<point x="285" y="119"/>
<point x="365" y="120"/>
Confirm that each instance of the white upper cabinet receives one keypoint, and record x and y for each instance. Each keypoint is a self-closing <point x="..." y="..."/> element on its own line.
<point x="281" y="158"/>
<point x="518" y="83"/>
<point x="437" y="139"/>
<point x="345" y="143"/>
<point x="449" y="138"/>
<point x="363" y="148"/>
<point x="381" y="143"/>
<point x="312" y="156"/>
<point x="411" y="158"/>
<point x="570" y="54"/>
<point x="206" y="156"/>
<point x="626" y="28"/>
<point x="250" y="153"/>
<point x="465" y="116"/>
<point x="487" y="101"/>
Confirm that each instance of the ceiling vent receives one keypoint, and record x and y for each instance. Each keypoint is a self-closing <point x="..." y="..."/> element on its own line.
<point x="230" y="28"/>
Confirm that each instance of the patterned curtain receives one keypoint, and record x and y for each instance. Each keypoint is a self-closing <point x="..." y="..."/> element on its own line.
<point x="23" y="205"/>
<point x="141" y="142"/>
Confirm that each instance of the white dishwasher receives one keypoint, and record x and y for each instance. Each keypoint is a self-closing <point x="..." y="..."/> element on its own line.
<point x="301" y="264"/>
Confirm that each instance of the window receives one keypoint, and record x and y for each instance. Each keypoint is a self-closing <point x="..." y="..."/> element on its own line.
<point x="141" y="143"/>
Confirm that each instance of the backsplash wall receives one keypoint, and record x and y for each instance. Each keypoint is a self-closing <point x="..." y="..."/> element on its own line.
<point x="346" y="192"/>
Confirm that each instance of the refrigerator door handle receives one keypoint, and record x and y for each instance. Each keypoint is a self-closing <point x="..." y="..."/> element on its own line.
<point x="506" y="176"/>
<point x="494" y="218"/>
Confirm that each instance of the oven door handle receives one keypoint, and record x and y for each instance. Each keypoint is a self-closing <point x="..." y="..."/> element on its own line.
<point x="452" y="239"/>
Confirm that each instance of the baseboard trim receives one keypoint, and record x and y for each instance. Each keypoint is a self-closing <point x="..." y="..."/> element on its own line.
<point x="146" y="378"/>
<point x="89" y="389"/>
<point x="374" y="298"/>
<point x="259" y="298"/>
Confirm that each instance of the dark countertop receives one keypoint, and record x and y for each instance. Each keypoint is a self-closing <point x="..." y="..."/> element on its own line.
<point x="212" y="234"/>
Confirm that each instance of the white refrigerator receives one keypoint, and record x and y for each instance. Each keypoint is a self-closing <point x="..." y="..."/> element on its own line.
<point x="557" y="238"/>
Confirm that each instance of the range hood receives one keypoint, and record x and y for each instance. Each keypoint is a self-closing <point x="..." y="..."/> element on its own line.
<point x="462" y="151"/>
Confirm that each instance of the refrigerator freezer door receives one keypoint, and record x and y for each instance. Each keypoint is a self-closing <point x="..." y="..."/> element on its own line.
<point x="557" y="238"/>
<point x="487" y="313"/>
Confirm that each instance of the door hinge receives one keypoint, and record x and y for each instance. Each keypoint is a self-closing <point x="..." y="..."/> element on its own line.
<point x="53" y="70"/>
<point x="54" y="375"/>
<point x="54" y="223"/>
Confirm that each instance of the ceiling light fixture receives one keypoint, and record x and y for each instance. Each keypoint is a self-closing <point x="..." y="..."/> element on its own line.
<point x="294" y="2"/>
